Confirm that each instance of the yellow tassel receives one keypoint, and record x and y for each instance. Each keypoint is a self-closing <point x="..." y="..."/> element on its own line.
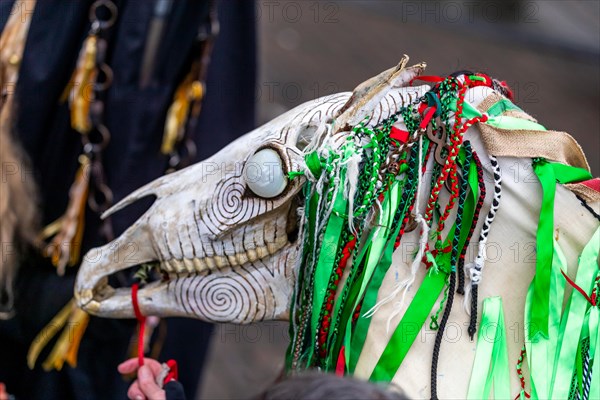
<point x="80" y="89"/>
<point x="79" y="321"/>
<point x="73" y="321"/>
<point x="67" y="345"/>
<point x="65" y="247"/>
<point x="189" y="91"/>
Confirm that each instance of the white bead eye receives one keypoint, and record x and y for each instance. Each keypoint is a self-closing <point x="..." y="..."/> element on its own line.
<point x="264" y="174"/>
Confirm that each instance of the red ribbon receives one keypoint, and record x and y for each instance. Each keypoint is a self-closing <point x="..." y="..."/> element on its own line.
<point x="592" y="301"/>
<point x="341" y="362"/>
<point x="429" y="112"/>
<point x="425" y="78"/>
<point x="399" y="134"/>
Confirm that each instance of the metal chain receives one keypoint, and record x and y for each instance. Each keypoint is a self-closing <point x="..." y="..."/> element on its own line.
<point x="103" y="15"/>
<point x="185" y="150"/>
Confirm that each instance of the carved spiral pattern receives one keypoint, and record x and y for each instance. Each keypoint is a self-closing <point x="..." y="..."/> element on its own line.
<point x="220" y="298"/>
<point x="255" y="292"/>
<point x="226" y="298"/>
<point x="230" y="206"/>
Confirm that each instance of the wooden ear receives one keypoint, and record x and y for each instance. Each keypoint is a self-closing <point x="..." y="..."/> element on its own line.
<point x="368" y="94"/>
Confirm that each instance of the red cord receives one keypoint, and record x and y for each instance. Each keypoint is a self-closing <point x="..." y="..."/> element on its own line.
<point x="172" y="364"/>
<point x="520" y="374"/>
<point x="580" y="290"/>
<point x="173" y="372"/>
<point x="141" y="323"/>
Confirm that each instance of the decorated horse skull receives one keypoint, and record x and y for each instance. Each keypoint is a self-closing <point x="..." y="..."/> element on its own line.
<point x="293" y="213"/>
<point x="225" y="230"/>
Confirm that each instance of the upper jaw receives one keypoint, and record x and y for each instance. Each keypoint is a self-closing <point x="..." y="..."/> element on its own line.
<point x="92" y="292"/>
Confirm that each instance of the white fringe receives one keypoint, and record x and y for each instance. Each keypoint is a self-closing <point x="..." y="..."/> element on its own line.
<point x="351" y="185"/>
<point x="406" y="284"/>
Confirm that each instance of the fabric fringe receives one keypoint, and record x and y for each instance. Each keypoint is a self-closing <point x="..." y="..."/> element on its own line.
<point x="73" y="322"/>
<point x="80" y="91"/>
<point x="67" y="231"/>
<point x="404" y="286"/>
<point x="587" y="193"/>
<point x="351" y="185"/>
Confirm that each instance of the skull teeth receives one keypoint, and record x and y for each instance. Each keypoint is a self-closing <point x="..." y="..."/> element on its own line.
<point x="178" y="266"/>
<point x="242" y="258"/>
<point x="252" y="255"/>
<point x="221" y="261"/>
<point x="189" y="265"/>
<point x="196" y="265"/>
<point x="199" y="264"/>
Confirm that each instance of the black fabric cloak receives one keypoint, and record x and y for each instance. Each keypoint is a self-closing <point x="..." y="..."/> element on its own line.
<point x="135" y="117"/>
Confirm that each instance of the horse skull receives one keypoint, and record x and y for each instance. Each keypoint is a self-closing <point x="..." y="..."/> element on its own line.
<point x="224" y="231"/>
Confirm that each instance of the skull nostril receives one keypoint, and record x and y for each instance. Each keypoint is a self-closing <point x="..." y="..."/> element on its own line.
<point x="305" y="136"/>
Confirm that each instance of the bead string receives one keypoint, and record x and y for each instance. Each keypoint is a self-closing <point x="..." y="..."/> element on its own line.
<point x="476" y="267"/>
<point x="478" y="206"/>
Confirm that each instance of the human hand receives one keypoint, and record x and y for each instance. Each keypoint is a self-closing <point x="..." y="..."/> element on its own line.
<point x="145" y="386"/>
<point x="3" y="393"/>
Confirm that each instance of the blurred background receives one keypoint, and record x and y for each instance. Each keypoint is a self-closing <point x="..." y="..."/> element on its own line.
<point x="547" y="51"/>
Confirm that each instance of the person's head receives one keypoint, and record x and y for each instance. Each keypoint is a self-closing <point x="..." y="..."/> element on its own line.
<point x="318" y="386"/>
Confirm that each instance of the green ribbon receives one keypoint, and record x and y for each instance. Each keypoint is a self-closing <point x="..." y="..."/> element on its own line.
<point x="572" y="325"/>
<point x="420" y="307"/>
<point x="407" y="330"/>
<point x="383" y="236"/>
<point x="594" y="323"/>
<point x="313" y="163"/>
<point x="548" y="174"/>
<point x="513" y="123"/>
<point x="497" y="120"/>
<point x="377" y="240"/>
<point x="541" y="351"/>
<point x="378" y="250"/>
<point x="328" y="251"/>
<point x="491" y="356"/>
<point x="501" y="106"/>
<point x="356" y="338"/>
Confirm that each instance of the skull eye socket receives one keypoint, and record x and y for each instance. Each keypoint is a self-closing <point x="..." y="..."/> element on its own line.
<point x="264" y="174"/>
